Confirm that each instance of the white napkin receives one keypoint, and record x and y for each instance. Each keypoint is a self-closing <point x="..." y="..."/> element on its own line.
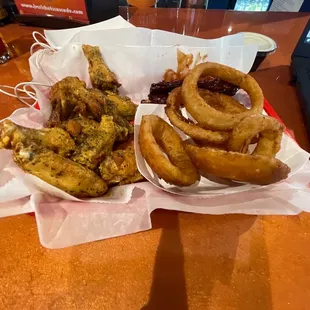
<point x="147" y="37"/>
<point x="59" y="38"/>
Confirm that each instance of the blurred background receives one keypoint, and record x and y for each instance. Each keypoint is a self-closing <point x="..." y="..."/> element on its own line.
<point x="239" y="5"/>
<point x="69" y="13"/>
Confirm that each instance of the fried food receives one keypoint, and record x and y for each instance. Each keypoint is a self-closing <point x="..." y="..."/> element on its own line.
<point x="70" y="97"/>
<point x="207" y="116"/>
<point x="159" y="92"/>
<point x="270" y="133"/>
<point x="55" y="139"/>
<point x="95" y="144"/>
<point x="73" y="127"/>
<point x="211" y="83"/>
<point x="100" y="75"/>
<point x="198" y="133"/>
<point x="59" y="171"/>
<point x="121" y="167"/>
<point x="255" y="169"/>
<point x="121" y="108"/>
<point x="222" y="102"/>
<point x="224" y="128"/>
<point x="157" y="135"/>
<point x="184" y="63"/>
<point x="125" y="107"/>
<point x="85" y="130"/>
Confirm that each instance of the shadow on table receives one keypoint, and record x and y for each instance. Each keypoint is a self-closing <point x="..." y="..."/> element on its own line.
<point x="210" y="260"/>
<point x="169" y="285"/>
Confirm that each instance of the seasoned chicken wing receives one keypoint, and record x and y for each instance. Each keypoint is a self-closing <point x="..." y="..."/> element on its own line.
<point x="70" y="97"/>
<point x="121" y="167"/>
<point x="55" y="139"/>
<point x="100" y="75"/>
<point x="95" y="142"/>
<point x="59" y="171"/>
<point x="124" y="106"/>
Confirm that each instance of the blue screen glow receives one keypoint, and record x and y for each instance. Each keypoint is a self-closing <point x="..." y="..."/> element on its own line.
<point x="252" y="5"/>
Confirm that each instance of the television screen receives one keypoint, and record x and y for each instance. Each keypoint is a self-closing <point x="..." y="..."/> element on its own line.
<point x="252" y="5"/>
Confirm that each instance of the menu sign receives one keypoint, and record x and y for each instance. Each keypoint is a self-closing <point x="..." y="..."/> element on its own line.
<point x="72" y="9"/>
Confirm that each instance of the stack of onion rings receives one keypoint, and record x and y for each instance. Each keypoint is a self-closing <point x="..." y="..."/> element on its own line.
<point x="222" y="102"/>
<point x="195" y="131"/>
<point x="223" y="130"/>
<point x="209" y="117"/>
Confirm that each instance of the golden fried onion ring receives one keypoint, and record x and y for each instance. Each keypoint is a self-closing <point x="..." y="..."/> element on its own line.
<point x="209" y="117"/>
<point x="270" y="135"/>
<point x="157" y="135"/>
<point x="255" y="169"/>
<point x="176" y="118"/>
<point x="222" y="102"/>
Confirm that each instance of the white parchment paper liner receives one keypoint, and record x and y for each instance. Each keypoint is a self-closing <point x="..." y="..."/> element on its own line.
<point x="59" y="38"/>
<point x="147" y="37"/>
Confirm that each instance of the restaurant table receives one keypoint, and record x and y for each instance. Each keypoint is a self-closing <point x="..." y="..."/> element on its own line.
<point x="187" y="261"/>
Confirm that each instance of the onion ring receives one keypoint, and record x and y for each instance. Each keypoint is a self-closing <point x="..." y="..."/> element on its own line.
<point x="270" y="135"/>
<point x="176" y="118"/>
<point x="209" y="117"/>
<point x="255" y="169"/>
<point x="222" y="102"/>
<point x="157" y="135"/>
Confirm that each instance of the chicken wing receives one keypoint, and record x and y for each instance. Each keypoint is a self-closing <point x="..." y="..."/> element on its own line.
<point x="59" y="171"/>
<point x="95" y="142"/>
<point x="55" y="139"/>
<point x="100" y="75"/>
<point x="120" y="167"/>
<point x="70" y="97"/>
<point x="124" y="106"/>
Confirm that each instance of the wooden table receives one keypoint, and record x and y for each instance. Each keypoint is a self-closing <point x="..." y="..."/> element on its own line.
<point x="187" y="261"/>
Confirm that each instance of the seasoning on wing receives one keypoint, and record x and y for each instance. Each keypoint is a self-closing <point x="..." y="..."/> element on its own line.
<point x="95" y="141"/>
<point x="121" y="108"/>
<point x="100" y="75"/>
<point x="125" y="107"/>
<point x="121" y="167"/>
<point x="55" y="139"/>
<point x="69" y="97"/>
<point x="59" y="171"/>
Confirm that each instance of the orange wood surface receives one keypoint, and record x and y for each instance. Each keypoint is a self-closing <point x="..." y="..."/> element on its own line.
<point x="187" y="261"/>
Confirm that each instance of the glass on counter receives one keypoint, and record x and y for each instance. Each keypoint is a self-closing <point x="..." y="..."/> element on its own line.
<point x="4" y="53"/>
